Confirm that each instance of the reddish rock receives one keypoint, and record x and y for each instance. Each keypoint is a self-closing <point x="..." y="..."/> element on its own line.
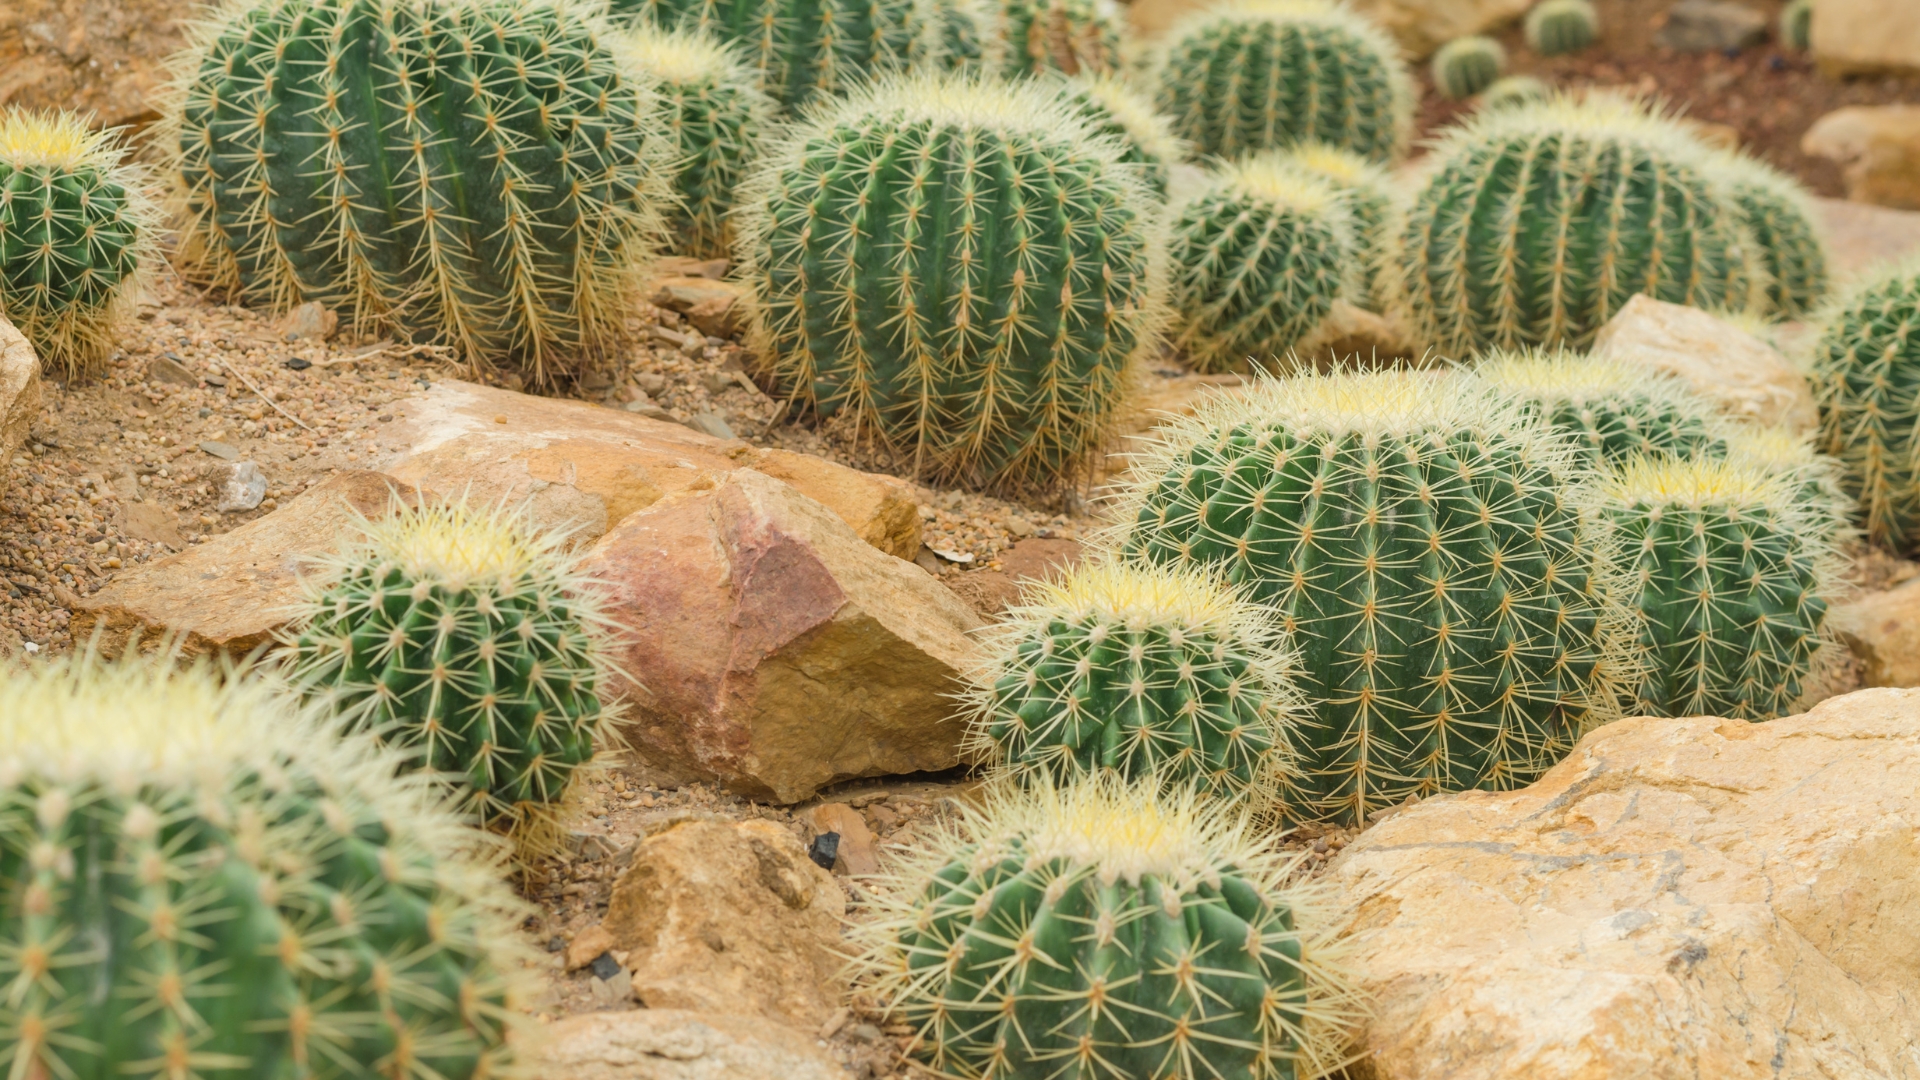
<point x="855" y="854"/>
<point x="994" y="591"/>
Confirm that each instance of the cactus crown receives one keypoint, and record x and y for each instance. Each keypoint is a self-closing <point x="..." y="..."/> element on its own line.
<point x="1510" y="90"/>
<point x="1610" y="409"/>
<point x="1465" y="66"/>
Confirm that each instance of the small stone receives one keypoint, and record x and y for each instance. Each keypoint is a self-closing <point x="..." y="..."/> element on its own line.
<point x="298" y="363"/>
<point x="499" y="419"/>
<point x="711" y="423"/>
<point x="168" y="369"/>
<point x="215" y="380"/>
<point x="1019" y="526"/>
<point x="1711" y="26"/>
<point x="649" y="410"/>
<point x="716" y="382"/>
<point x="556" y="944"/>
<point x="310" y="320"/>
<point x="245" y="485"/>
<point x="587" y="946"/>
<point x="865" y="1033"/>
<point x="604" y="966"/>
<point x="824" y="849"/>
<point x="615" y="991"/>
<point x="223" y="451"/>
<point x="651" y="383"/>
<point x="854" y="851"/>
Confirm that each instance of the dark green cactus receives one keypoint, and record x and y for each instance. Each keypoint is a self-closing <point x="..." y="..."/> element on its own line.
<point x="1796" y="25"/>
<point x="802" y="49"/>
<point x="952" y="40"/>
<point x="1372" y="210"/>
<point x="1465" y="66"/>
<point x="1100" y="933"/>
<point x="1114" y="109"/>
<point x="963" y="266"/>
<point x="1866" y="377"/>
<point x="74" y="231"/>
<point x="1556" y="27"/>
<point x="1514" y="90"/>
<point x="1778" y="212"/>
<point x="199" y="878"/>
<point x="1077" y="37"/>
<point x="485" y="174"/>
<point x="1424" y="544"/>
<point x="1265" y="74"/>
<point x="1609" y="409"/>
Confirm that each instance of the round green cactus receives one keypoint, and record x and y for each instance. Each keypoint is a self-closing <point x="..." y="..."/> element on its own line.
<point x="1147" y="671"/>
<point x="953" y="37"/>
<point x="1611" y="410"/>
<point x="803" y="49"/>
<point x="1372" y="209"/>
<point x="963" y="266"/>
<point x="466" y="637"/>
<point x="75" y="230"/>
<point x="1866" y="377"/>
<point x="1796" y="25"/>
<point x="1731" y="578"/>
<point x="485" y="174"/>
<point x="1032" y="37"/>
<point x="1106" y="932"/>
<point x="1537" y="223"/>
<point x="1514" y="90"/>
<point x="1116" y="110"/>
<point x="1265" y="74"/>
<point x="1259" y="257"/>
<point x="200" y="878"/>
<point x="1465" y="66"/>
<point x="1557" y="27"/>
<point x="1425" y="544"/>
<point x="1778" y="212"/>
<point x="716" y="115"/>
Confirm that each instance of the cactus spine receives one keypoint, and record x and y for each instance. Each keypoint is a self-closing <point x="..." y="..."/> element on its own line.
<point x="465" y="636"/>
<point x="194" y="870"/>
<point x="1425" y="545"/>
<point x="802" y="49"/>
<point x="1611" y="410"/>
<point x="74" y="233"/>
<point x="1556" y="27"/>
<point x="1776" y="210"/>
<point x="1731" y="581"/>
<point x="716" y="115"/>
<point x="1101" y="931"/>
<point x="1073" y="36"/>
<point x="1796" y="25"/>
<point x="1513" y="90"/>
<point x="1259" y="257"/>
<point x="1147" y="671"/>
<point x="1371" y="208"/>
<point x="1264" y="74"/>
<point x="1465" y="66"/>
<point x="1115" y="110"/>
<point x="1866" y="377"/>
<point x="962" y="266"/>
<point x="479" y="173"/>
<point x="1538" y="222"/>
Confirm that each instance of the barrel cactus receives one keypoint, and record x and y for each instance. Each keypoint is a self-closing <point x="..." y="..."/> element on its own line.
<point x="1556" y="27"/>
<point x="1153" y="672"/>
<point x="1033" y="37"/>
<point x="1778" y="213"/>
<point x="1426" y="546"/>
<point x="963" y="266"/>
<point x="1866" y="377"/>
<point x="1796" y="25"/>
<point x="199" y="878"/>
<point x="802" y="49"/>
<point x="465" y="637"/>
<point x="1514" y="90"/>
<point x="1114" y="109"/>
<point x="1372" y="209"/>
<point x="1731" y="578"/>
<point x="1785" y="453"/>
<point x="1259" y="257"/>
<point x="1537" y="223"/>
<point x="75" y="230"/>
<point x="1102" y="931"/>
<point x="716" y="115"/>
<point x="1465" y="66"/>
<point x="952" y="37"/>
<point x="1264" y="74"/>
<point x="1611" y="410"/>
<point x="484" y="174"/>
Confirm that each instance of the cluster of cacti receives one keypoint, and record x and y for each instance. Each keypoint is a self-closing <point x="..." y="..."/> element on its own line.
<point x="1151" y="672"/>
<point x="1610" y="409"/>
<point x="1731" y="580"/>
<point x="1866" y="377"/>
<point x="1796" y="25"/>
<point x="1778" y="213"/>
<point x="1103" y="931"/>
<point x="74" y="231"/>
<point x="1514" y="90"/>
<point x="480" y="173"/>
<point x="1032" y="37"/>
<point x="963" y="266"/>
<point x="1536" y="223"/>
<point x="465" y="637"/>
<point x="1465" y="66"/>
<point x="1258" y="259"/>
<point x="1264" y="74"/>
<point x="716" y="115"/>
<point x="1555" y="27"/>
<point x="1114" y="109"/>
<point x="198" y="877"/>
<point x="1424" y="543"/>
<point x="1372" y="211"/>
<point x="803" y="49"/>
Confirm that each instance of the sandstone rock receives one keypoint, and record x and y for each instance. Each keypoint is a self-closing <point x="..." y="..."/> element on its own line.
<point x="587" y="946"/>
<point x="1865" y="37"/>
<point x="242" y="487"/>
<point x="730" y="916"/>
<point x="991" y="592"/>
<point x="775" y="652"/>
<point x="104" y="57"/>
<point x="1679" y="898"/>
<point x="673" y="1044"/>
<point x="683" y="266"/>
<point x="150" y="522"/>
<point x="591" y="467"/>
<point x="1353" y="336"/>
<point x="1722" y="362"/>
<point x="1877" y="148"/>
<point x="1862" y="238"/>
<point x="20" y="393"/>
<point x="1882" y="630"/>
<point x="231" y="593"/>
<point x="310" y="321"/>
<point x="715" y="308"/>
<point x="855" y="854"/>
<point x="1711" y="26"/>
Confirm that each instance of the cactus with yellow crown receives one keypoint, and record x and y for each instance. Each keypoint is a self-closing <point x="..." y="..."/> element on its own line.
<point x="1114" y="109"/>
<point x="1372" y="209"/>
<point x="800" y="50"/>
<point x="1610" y="409"/>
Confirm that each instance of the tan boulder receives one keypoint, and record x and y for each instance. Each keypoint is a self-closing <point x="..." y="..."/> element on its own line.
<point x="774" y="651"/>
<point x="1866" y="37"/>
<point x="103" y="57"/>
<point x="674" y="1044"/>
<point x="1882" y="630"/>
<point x="732" y="917"/>
<point x="1862" y="238"/>
<point x="20" y="393"/>
<point x="1677" y="899"/>
<point x="715" y="308"/>
<point x="1877" y="148"/>
<point x="1745" y="376"/>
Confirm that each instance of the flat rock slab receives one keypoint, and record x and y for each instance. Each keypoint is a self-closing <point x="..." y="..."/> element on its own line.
<point x="1678" y="899"/>
<point x="677" y="1044"/>
<point x="1862" y="239"/>
<point x="1746" y="377"/>
<point x="20" y="393"/>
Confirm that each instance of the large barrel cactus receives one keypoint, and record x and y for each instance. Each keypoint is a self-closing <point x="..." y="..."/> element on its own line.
<point x="1032" y="37"/>
<point x="1778" y="212"/>
<point x="1264" y="74"/>
<point x="1866" y="376"/>
<point x="200" y="878"/>
<point x="75" y="229"/>
<point x="1114" y="109"/>
<point x="1425" y="545"/>
<point x="802" y="49"/>
<point x="465" y="637"/>
<point x="485" y="174"/>
<point x="1610" y="409"/>
<point x="1102" y="932"/>
<point x="1372" y="210"/>
<point x="1536" y="223"/>
<point x="963" y="266"/>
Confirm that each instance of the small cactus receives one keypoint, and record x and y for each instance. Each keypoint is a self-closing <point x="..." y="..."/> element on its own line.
<point x="1557" y="27"/>
<point x="75" y="234"/>
<point x="1796" y="25"/>
<point x="1514" y="90"/>
<point x="1259" y="257"/>
<point x="1147" y="671"/>
<point x="1115" y="109"/>
<point x="1778" y="212"/>
<point x="198" y="877"/>
<point x="1866" y="377"/>
<point x="1465" y="66"/>
<point x="1372" y="208"/>
<point x="803" y="49"/>
<point x="1265" y="74"/>
<point x="465" y="636"/>
<point x="1033" y="37"/>
<point x="952" y="38"/>
<point x="1611" y="410"/>
<point x="1138" y="933"/>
